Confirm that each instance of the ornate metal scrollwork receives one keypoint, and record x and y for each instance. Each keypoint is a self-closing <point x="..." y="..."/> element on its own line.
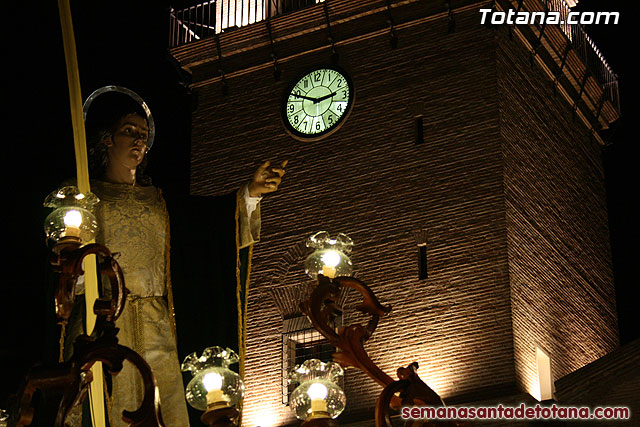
<point x="322" y="309"/>
<point x="412" y="391"/>
<point x="74" y="376"/>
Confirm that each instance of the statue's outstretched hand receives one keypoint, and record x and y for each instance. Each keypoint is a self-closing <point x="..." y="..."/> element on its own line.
<point x="266" y="179"/>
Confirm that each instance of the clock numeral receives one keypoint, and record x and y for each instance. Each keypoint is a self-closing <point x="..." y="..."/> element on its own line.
<point x="327" y="74"/>
<point x="294" y="106"/>
<point x="318" y="77"/>
<point x="341" y="95"/>
<point x="317" y="125"/>
<point x="339" y="82"/>
<point x="305" y="83"/>
<point x="296" y="118"/>
<point x="329" y="119"/>
<point x="338" y="108"/>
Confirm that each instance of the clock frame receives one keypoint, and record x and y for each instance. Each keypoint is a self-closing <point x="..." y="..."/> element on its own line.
<point x="318" y="102"/>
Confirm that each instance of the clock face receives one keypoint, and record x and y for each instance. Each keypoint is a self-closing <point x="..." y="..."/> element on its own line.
<point x="318" y="103"/>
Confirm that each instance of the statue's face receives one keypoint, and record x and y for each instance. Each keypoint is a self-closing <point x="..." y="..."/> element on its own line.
<point x="128" y="143"/>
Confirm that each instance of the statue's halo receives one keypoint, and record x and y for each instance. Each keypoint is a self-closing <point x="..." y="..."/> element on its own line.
<point x="113" y="88"/>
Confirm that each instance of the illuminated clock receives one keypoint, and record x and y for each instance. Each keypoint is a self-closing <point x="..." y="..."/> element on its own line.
<point x="318" y="103"/>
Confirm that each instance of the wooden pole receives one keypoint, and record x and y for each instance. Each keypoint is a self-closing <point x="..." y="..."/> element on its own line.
<point x="96" y="389"/>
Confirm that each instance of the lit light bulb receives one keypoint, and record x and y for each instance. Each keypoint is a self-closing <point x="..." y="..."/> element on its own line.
<point x="72" y="220"/>
<point x="212" y="382"/>
<point x="330" y="260"/>
<point x="317" y="393"/>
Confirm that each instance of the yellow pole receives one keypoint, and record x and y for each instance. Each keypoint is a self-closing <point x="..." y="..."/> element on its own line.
<point x="96" y="389"/>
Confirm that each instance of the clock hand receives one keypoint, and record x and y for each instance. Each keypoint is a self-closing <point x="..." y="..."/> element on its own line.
<point x="322" y="98"/>
<point x="304" y="97"/>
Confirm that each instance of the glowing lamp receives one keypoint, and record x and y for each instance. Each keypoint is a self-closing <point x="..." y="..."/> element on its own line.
<point x="318" y="395"/>
<point x="72" y="220"/>
<point x="72" y="217"/>
<point x="213" y="385"/>
<point x="212" y="382"/>
<point x="330" y="255"/>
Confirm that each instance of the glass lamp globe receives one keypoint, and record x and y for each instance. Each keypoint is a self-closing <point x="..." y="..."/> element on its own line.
<point x="213" y="383"/>
<point x="318" y="395"/>
<point x="330" y="255"/>
<point x="72" y="216"/>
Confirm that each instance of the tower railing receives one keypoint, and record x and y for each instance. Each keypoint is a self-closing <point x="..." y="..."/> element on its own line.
<point x="214" y="16"/>
<point x="587" y="51"/>
<point x="210" y="17"/>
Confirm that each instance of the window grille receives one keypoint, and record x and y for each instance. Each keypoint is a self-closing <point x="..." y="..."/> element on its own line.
<point x="300" y="342"/>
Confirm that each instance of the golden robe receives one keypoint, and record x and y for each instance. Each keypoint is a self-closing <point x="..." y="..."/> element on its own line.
<point x="134" y="224"/>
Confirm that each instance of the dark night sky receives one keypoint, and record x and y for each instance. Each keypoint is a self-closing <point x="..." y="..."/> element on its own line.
<point x="126" y="43"/>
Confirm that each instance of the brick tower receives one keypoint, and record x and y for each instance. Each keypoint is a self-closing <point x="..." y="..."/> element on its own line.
<point x="468" y="174"/>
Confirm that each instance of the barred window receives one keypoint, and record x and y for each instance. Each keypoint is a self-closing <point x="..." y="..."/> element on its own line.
<point x="300" y="342"/>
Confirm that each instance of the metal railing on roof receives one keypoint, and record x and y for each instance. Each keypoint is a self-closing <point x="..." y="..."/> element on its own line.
<point x="206" y="19"/>
<point x="587" y="51"/>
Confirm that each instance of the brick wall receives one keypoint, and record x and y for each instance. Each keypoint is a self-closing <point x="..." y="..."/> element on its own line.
<point x="613" y="380"/>
<point x="559" y="255"/>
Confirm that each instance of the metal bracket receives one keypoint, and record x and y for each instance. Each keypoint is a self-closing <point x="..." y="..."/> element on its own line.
<point x="565" y="55"/>
<point x="451" y="19"/>
<point x="225" y="86"/>
<point x="538" y="42"/>
<point x="274" y="56"/>
<point x="556" y="76"/>
<point x="579" y="97"/>
<point x="393" y="39"/>
<point x="492" y="6"/>
<point x="334" y="53"/>
<point x="517" y="11"/>
<point x="603" y="98"/>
